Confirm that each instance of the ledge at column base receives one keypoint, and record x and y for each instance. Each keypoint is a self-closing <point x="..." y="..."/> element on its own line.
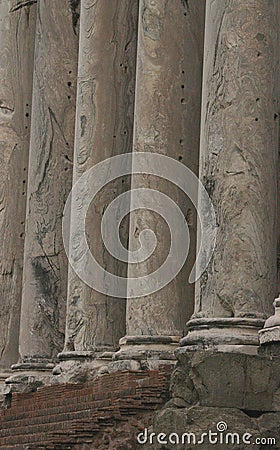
<point x="226" y="348"/>
<point x="269" y="335"/>
<point x="26" y="381"/>
<point x="80" y="367"/>
<point x="270" y="341"/>
<point x="225" y="332"/>
<point x="33" y="366"/>
<point x="4" y="374"/>
<point x="147" y="348"/>
<point x="248" y="427"/>
<point x="133" y="365"/>
<point x="76" y="355"/>
<point x="226" y="379"/>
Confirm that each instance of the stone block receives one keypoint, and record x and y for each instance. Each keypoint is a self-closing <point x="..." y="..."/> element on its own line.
<point x="235" y="380"/>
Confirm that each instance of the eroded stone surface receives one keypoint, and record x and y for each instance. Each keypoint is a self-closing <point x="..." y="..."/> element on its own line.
<point x="49" y="181"/>
<point x="238" y="157"/>
<point x="233" y="380"/>
<point x="17" y="30"/>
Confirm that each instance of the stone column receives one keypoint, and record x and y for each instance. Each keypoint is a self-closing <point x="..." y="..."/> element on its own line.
<point x="278" y="245"/>
<point x="167" y="120"/>
<point x="238" y="166"/>
<point x="104" y="125"/>
<point x="49" y="182"/>
<point x="17" y="29"/>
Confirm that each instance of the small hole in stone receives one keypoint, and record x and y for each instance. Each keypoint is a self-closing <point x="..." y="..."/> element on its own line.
<point x="182" y="86"/>
<point x="66" y="168"/>
<point x="182" y="100"/>
<point x="252" y="413"/>
<point x="67" y="143"/>
<point x="125" y="132"/>
<point x="21" y="235"/>
<point x="260" y="37"/>
<point x="114" y="136"/>
<point x="26" y="127"/>
<point x="121" y="65"/>
<point x="27" y="115"/>
<point x="256" y="119"/>
<point x="183" y="71"/>
<point x="27" y="104"/>
<point x="24" y="181"/>
<point x="24" y="169"/>
<point x="122" y="181"/>
<point x="69" y="96"/>
<point x="257" y="99"/>
<point x="70" y="71"/>
<point x="22" y="223"/>
<point x="23" y="193"/>
<point x="181" y="141"/>
<point x="180" y="158"/>
<point x="185" y="13"/>
<point x="259" y="54"/>
<point x="69" y="83"/>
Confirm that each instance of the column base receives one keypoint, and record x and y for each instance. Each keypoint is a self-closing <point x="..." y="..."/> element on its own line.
<point x="4" y="374"/>
<point x="270" y="341"/>
<point x="28" y="376"/>
<point x="80" y="366"/>
<point x="270" y="334"/>
<point x="239" y="392"/>
<point x="145" y="352"/>
<point x="224" y="334"/>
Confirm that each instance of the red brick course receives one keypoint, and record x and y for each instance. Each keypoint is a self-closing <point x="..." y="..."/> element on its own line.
<point x="104" y="414"/>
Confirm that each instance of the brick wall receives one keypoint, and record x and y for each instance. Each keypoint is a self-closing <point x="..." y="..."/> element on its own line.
<point x="104" y="414"/>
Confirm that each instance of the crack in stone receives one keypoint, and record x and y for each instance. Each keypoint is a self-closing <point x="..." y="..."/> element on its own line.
<point x="23" y="4"/>
<point x="75" y="10"/>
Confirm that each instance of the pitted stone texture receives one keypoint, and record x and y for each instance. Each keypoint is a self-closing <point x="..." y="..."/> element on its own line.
<point x="234" y="380"/>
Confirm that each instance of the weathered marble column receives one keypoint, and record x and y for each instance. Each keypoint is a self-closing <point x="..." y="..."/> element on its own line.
<point x="104" y="125"/>
<point x="238" y="166"/>
<point x="17" y="30"/>
<point x="49" y="182"/>
<point x="167" y="121"/>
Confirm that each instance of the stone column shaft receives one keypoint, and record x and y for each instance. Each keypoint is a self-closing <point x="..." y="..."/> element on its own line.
<point x="104" y="126"/>
<point x="17" y="30"/>
<point x="167" y="118"/>
<point x="49" y="182"/>
<point x="238" y="166"/>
